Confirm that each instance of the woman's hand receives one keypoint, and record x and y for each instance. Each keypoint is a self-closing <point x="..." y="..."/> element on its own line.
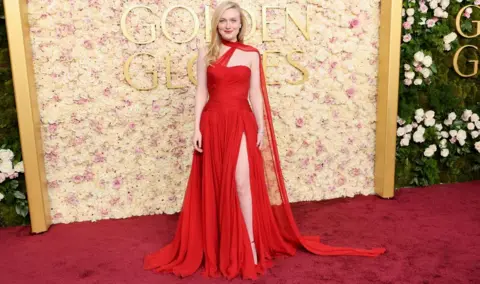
<point x="260" y="139"/>
<point x="197" y="141"/>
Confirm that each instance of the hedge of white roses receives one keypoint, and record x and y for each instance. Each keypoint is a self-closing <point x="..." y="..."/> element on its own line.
<point x="462" y="131"/>
<point x="9" y="172"/>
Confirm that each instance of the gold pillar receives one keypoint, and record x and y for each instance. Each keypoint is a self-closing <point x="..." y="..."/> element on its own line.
<point x="387" y="98"/>
<point x="16" y="15"/>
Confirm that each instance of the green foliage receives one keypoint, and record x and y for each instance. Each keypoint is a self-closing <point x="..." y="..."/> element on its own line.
<point x="443" y="92"/>
<point x="14" y="206"/>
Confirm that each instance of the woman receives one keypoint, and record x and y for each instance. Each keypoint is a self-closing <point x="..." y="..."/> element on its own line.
<point x="236" y="216"/>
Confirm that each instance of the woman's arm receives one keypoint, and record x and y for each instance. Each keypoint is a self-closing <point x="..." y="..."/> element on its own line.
<point x="256" y="97"/>
<point x="202" y="91"/>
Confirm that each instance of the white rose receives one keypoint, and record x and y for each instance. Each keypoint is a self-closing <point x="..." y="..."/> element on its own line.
<point x="445" y="14"/>
<point x="19" y="167"/>
<point x="453" y="133"/>
<point x="419" y="56"/>
<point x="407" y="82"/>
<point x="414" y="124"/>
<point x="438" y="12"/>
<point x="1" y="195"/>
<point x="419" y="119"/>
<point x="410" y="11"/>
<point x="477" y="124"/>
<point x="474" y="134"/>
<point x="443" y="143"/>
<point x="444" y="152"/>
<point x="444" y="134"/>
<point x="410" y="20"/>
<point x="418" y="136"/>
<point x="400" y="121"/>
<point x="417" y="81"/>
<point x="428" y="152"/>
<point x="447" y="47"/>
<point x="6" y="167"/>
<point x="400" y="131"/>
<point x="407" y="67"/>
<point x="433" y="146"/>
<point x="439" y="127"/>
<point x="408" y="128"/>
<point x="452" y="116"/>
<point x="469" y="10"/>
<point x="6" y="154"/>
<point x="474" y="117"/>
<point x="447" y="122"/>
<point x="427" y="61"/>
<point x="429" y="122"/>
<point x="450" y="37"/>
<point x="419" y="112"/>
<point x="461" y="134"/>
<point x="426" y="72"/>
<point x="477" y="146"/>
<point x="430" y="114"/>
<point x="410" y="75"/>
<point x="433" y="4"/>
<point x="404" y="142"/>
<point x="444" y="4"/>
<point x="403" y="12"/>
<point x="461" y="142"/>
<point x="470" y="126"/>
<point x="466" y="114"/>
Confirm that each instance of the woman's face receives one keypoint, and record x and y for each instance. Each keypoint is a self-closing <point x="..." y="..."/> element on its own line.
<point x="229" y="25"/>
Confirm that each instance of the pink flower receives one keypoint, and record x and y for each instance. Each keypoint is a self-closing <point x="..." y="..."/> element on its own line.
<point x="341" y="181"/>
<point x="89" y="176"/>
<point x="88" y="44"/>
<point x="350" y="92"/>
<point x="99" y="158"/>
<point x="155" y="106"/>
<point x="477" y="2"/>
<point x="289" y="153"/>
<point x="355" y="172"/>
<point x="354" y="23"/>
<point x="117" y="182"/>
<point x="299" y="122"/>
<point x="78" y="179"/>
<point x="407" y="25"/>
<point x="318" y="167"/>
<point x="423" y="8"/>
<point x="418" y="68"/>
<point x="431" y="23"/>
<point x="466" y="15"/>
<point x="52" y="127"/>
<point x="107" y="92"/>
<point x="407" y="38"/>
<point x="131" y="125"/>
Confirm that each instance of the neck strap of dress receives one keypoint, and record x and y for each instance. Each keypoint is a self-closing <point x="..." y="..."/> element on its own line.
<point x="231" y="43"/>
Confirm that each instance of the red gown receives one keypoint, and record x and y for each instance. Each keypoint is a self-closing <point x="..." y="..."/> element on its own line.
<point x="211" y="230"/>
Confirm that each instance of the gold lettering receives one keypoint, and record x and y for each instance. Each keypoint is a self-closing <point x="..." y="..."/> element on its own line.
<point x="266" y="65"/>
<point x="459" y="26"/>
<point x="168" y="63"/>
<point x="123" y="25"/>
<point x="305" y="31"/>
<point x="299" y="67"/>
<point x="265" y="35"/>
<point x="195" y="19"/>
<point x="455" y="62"/>
<point x="128" y="78"/>
<point x="208" y="24"/>
<point x="190" y="69"/>
<point x="253" y="27"/>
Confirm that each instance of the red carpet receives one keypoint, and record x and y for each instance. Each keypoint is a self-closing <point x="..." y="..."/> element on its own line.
<point x="432" y="235"/>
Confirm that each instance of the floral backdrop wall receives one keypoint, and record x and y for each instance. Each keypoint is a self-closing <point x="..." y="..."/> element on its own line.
<point x="113" y="151"/>
<point x="439" y="102"/>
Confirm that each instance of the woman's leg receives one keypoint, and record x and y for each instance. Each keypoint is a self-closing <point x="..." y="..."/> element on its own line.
<point x="242" y="178"/>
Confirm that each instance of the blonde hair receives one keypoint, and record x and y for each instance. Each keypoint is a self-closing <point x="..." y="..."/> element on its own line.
<point x="213" y="50"/>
